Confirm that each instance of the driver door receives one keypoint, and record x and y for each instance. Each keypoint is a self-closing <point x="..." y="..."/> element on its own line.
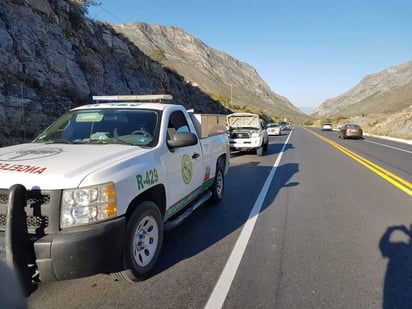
<point x="184" y="165"/>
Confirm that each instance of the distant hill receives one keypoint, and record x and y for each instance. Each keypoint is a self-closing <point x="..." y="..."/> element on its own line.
<point x="376" y="102"/>
<point x="224" y="78"/>
<point x="308" y="110"/>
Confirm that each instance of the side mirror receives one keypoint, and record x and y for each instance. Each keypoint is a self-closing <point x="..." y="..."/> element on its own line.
<point x="182" y="139"/>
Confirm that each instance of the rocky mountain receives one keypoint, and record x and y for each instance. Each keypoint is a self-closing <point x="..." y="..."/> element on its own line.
<point x="53" y="58"/>
<point x="381" y="102"/>
<point x="232" y="82"/>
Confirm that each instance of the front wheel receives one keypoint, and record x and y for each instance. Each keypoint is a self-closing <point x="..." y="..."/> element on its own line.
<point x="144" y="238"/>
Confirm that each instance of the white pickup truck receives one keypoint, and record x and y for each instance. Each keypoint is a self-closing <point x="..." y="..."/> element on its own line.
<point x="247" y="132"/>
<point x="94" y="192"/>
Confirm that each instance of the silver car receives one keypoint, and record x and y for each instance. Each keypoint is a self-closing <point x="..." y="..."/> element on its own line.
<point x="273" y="129"/>
<point x="327" y="127"/>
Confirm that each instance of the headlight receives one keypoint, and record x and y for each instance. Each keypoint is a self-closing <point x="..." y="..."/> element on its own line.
<point x="89" y="204"/>
<point x="255" y="135"/>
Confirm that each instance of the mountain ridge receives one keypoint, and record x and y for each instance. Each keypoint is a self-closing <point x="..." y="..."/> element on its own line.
<point x="223" y="77"/>
<point x="368" y="89"/>
<point x="55" y="58"/>
<point x="380" y="102"/>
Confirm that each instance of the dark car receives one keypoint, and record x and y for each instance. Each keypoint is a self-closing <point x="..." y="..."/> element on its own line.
<point x="350" y="130"/>
<point x="283" y="125"/>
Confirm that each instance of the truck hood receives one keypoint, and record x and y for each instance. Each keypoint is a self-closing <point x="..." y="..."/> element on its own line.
<point x="243" y="120"/>
<point x="57" y="166"/>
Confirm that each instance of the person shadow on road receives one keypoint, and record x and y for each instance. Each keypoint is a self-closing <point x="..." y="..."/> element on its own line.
<point x="397" y="291"/>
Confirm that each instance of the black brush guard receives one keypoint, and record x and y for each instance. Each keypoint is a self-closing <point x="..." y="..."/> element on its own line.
<point x="16" y="236"/>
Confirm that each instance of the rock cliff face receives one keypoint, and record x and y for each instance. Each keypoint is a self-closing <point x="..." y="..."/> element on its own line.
<point x="213" y="71"/>
<point x="53" y="58"/>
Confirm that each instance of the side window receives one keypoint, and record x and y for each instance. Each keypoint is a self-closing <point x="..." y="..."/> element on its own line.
<point x="177" y="123"/>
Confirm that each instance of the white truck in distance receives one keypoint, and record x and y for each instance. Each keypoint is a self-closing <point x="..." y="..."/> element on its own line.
<point x="247" y="132"/>
<point x="99" y="186"/>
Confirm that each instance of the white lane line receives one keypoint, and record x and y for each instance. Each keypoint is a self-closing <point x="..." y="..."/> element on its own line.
<point x="218" y="296"/>
<point x="396" y="148"/>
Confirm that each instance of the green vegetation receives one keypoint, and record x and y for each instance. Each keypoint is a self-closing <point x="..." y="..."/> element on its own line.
<point x="85" y="4"/>
<point x="309" y="122"/>
<point x="158" y="55"/>
<point x="221" y="98"/>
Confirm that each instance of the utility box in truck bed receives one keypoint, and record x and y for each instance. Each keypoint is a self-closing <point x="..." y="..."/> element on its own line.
<point x="208" y="124"/>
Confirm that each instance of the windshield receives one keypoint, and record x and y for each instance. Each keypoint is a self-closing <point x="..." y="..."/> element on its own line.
<point x="104" y="126"/>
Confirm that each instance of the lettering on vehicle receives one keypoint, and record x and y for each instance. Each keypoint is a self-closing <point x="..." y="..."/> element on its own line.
<point x="187" y="169"/>
<point x="147" y="179"/>
<point x="22" y="168"/>
<point x="29" y="154"/>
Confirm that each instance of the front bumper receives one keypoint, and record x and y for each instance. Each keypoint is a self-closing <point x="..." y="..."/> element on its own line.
<point x="80" y="252"/>
<point x="56" y="254"/>
<point x="251" y="143"/>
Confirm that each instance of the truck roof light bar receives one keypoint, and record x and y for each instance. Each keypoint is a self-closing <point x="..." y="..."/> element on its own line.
<point x="133" y="98"/>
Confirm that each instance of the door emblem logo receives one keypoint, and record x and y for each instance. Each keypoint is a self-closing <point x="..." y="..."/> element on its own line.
<point x="187" y="169"/>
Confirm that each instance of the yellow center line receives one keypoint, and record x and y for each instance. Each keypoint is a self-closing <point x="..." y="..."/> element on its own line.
<point x="395" y="180"/>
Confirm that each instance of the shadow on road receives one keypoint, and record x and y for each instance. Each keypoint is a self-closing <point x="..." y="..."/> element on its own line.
<point x="211" y="223"/>
<point x="397" y="292"/>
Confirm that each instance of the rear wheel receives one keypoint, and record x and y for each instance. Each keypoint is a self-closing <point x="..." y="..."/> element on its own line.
<point x="218" y="185"/>
<point x="144" y="238"/>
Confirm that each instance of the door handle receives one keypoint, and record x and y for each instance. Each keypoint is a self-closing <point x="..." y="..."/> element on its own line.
<point x="195" y="155"/>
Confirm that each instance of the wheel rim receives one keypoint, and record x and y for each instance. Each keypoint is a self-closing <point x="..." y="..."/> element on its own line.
<point x="219" y="183"/>
<point x="145" y="241"/>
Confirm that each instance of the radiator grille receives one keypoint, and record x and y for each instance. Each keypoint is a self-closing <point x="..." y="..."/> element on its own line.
<point x="40" y="208"/>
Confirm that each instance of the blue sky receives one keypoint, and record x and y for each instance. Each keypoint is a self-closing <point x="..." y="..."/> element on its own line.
<point x="305" y="50"/>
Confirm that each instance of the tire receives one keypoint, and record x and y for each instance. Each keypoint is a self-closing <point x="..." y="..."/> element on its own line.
<point x="144" y="238"/>
<point x="266" y="145"/>
<point x="259" y="151"/>
<point x="218" y="185"/>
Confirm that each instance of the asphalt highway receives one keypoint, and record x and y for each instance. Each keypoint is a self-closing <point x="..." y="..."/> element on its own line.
<point x="317" y="222"/>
